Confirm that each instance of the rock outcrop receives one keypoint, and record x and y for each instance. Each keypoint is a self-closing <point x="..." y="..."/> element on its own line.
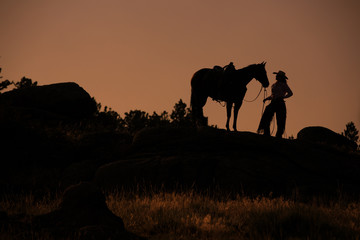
<point x="325" y="136"/>
<point x="83" y="213"/>
<point x="233" y="162"/>
<point x="46" y="103"/>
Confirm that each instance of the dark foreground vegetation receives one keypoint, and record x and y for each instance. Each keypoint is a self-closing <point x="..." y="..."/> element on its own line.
<point x="190" y="215"/>
<point x="158" y="176"/>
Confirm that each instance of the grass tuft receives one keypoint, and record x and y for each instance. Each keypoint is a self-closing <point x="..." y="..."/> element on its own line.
<point x="190" y="215"/>
<point x="194" y="216"/>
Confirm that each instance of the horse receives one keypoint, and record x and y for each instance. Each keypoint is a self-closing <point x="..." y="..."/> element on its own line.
<point x="205" y="83"/>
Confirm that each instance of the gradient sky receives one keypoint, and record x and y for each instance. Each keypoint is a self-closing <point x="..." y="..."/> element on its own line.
<point x="141" y="54"/>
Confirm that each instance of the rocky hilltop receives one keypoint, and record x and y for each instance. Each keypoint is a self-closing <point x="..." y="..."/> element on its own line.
<point x="318" y="162"/>
<point x="233" y="162"/>
<point x="53" y="140"/>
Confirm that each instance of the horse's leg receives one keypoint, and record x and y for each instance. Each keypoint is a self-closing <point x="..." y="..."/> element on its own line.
<point x="197" y="108"/>
<point x="194" y="102"/>
<point x="236" y="111"/>
<point x="203" y="100"/>
<point x="228" y="114"/>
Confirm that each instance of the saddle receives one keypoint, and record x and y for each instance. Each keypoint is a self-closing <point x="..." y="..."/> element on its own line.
<point x="223" y="84"/>
<point x="218" y="69"/>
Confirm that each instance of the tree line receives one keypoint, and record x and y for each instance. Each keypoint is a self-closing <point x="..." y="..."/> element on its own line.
<point x="23" y="83"/>
<point x="135" y="120"/>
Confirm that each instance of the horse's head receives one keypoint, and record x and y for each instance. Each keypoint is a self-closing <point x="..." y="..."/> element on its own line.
<point x="260" y="74"/>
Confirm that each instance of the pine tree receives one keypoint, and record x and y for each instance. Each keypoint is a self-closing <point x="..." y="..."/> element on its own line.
<point x="25" y="83"/>
<point x="351" y="132"/>
<point x="181" y="115"/>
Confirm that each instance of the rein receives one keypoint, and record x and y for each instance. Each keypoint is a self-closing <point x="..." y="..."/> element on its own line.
<point x="256" y="96"/>
<point x="265" y="95"/>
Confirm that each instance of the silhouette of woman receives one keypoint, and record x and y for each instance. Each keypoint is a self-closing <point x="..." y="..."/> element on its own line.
<point x="279" y="91"/>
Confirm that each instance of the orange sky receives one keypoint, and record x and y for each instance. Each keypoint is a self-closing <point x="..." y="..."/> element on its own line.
<point x="142" y="54"/>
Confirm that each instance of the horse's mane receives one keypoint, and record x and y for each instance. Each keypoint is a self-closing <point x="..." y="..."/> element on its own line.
<point x="251" y="66"/>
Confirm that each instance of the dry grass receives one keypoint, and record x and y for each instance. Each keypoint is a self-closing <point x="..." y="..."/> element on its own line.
<point x="189" y="215"/>
<point x="21" y="209"/>
<point x="28" y="204"/>
<point x="194" y="216"/>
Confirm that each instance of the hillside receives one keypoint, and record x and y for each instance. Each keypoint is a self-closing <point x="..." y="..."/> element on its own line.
<point x="204" y="159"/>
<point x="233" y="162"/>
<point x="54" y="156"/>
<point x="52" y="146"/>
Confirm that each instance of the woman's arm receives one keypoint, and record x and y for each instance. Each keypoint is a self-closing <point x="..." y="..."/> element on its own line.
<point x="268" y="98"/>
<point x="289" y="93"/>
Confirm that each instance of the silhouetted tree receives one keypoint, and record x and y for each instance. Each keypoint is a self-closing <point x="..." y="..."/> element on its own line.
<point x="156" y="120"/>
<point x="351" y="132"/>
<point x="110" y="119"/>
<point x="136" y="120"/>
<point x="25" y="83"/>
<point x="181" y="116"/>
<point x="4" y="84"/>
<point x="103" y="120"/>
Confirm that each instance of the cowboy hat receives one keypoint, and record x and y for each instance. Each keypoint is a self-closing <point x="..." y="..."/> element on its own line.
<point x="280" y="74"/>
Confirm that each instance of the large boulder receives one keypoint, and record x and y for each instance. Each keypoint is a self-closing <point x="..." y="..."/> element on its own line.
<point x="48" y="102"/>
<point x="83" y="213"/>
<point x="325" y="136"/>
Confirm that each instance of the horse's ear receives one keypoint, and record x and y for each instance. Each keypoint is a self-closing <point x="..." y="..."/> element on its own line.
<point x="263" y="63"/>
